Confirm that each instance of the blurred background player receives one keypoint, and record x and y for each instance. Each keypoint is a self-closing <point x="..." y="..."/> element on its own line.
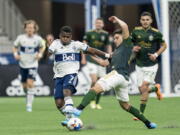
<point x="117" y="79"/>
<point x="48" y="40"/>
<point x="28" y="49"/>
<point x="149" y="44"/>
<point x="97" y="38"/>
<point x="67" y="58"/>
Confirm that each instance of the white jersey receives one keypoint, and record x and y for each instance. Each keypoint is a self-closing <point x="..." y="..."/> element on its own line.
<point x="28" y="48"/>
<point x="66" y="58"/>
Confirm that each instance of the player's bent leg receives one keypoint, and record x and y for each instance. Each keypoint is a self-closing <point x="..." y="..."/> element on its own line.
<point x="126" y="106"/>
<point x="60" y="104"/>
<point x="94" y="79"/>
<point x="88" y="98"/>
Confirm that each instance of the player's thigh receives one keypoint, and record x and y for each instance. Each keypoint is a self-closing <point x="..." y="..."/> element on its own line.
<point x="150" y="73"/>
<point x="24" y="75"/>
<point x="101" y="71"/>
<point x="92" y="68"/>
<point x="109" y="81"/>
<point x="70" y="82"/>
<point x="122" y="89"/>
<point x="140" y="75"/>
<point x="58" y="89"/>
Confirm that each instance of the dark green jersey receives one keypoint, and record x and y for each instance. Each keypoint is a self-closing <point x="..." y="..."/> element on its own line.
<point x="150" y="41"/>
<point x="98" y="40"/>
<point x="120" y="58"/>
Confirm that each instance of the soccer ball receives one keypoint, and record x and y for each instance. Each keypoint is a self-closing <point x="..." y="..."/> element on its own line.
<point x="74" y="124"/>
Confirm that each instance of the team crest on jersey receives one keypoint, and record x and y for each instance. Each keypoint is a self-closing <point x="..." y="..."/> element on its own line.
<point x="151" y="37"/>
<point x="139" y="36"/>
<point x="93" y="37"/>
<point x="102" y="38"/>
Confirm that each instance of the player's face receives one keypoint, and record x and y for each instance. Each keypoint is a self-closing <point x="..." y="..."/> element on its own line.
<point x="49" y="39"/>
<point x="146" y="21"/>
<point x="65" y="38"/>
<point x="118" y="38"/>
<point x="30" y="29"/>
<point x="99" y="24"/>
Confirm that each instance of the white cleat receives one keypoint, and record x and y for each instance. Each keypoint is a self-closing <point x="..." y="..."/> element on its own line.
<point x="29" y="109"/>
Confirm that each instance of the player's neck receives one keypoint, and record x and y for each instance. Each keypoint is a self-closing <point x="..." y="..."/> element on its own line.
<point x="147" y="28"/>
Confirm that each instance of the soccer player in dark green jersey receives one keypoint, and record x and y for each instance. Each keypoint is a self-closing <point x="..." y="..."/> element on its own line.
<point x="149" y="44"/>
<point x="117" y="79"/>
<point x="99" y="39"/>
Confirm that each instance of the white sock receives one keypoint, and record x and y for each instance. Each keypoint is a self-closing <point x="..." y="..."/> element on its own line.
<point x="68" y="107"/>
<point x="30" y="97"/>
<point x="62" y="110"/>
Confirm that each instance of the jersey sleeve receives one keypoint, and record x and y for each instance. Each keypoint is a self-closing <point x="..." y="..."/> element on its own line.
<point x="160" y="37"/>
<point x="133" y="36"/>
<point x="17" y="42"/>
<point x="52" y="48"/>
<point x="42" y="42"/>
<point x="81" y="46"/>
<point x="86" y="37"/>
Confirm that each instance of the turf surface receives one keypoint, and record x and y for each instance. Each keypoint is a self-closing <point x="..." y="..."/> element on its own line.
<point x="111" y="120"/>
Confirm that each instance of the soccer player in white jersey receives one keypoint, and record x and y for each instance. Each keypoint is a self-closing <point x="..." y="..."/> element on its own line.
<point x="67" y="57"/>
<point x="28" y="49"/>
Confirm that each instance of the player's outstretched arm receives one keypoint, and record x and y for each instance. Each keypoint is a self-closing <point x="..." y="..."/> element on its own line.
<point x="97" y="52"/>
<point x="100" y="61"/>
<point x="122" y="24"/>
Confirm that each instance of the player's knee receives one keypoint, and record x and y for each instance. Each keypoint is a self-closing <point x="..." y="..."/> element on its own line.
<point x="97" y="88"/>
<point x="59" y="103"/>
<point x="30" y="83"/>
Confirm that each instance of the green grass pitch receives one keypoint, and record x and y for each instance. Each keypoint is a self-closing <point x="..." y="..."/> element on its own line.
<point x="111" y="120"/>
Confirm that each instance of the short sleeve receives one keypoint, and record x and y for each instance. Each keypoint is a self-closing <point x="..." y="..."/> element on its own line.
<point x="81" y="46"/>
<point x="42" y="42"/>
<point x="160" y="37"/>
<point x="86" y="37"/>
<point x="17" y="41"/>
<point x="52" y="48"/>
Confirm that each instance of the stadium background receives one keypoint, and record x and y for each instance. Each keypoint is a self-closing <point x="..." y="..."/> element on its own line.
<point x="51" y="15"/>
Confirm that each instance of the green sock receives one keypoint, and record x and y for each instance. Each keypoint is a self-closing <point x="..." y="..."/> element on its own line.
<point x="153" y="89"/>
<point x="138" y="114"/>
<point x="142" y="107"/>
<point x="87" y="99"/>
<point x="98" y="98"/>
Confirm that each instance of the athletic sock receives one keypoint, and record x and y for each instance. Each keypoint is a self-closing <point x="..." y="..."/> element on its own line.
<point x="87" y="99"/>
<point x="142" y="108"/>
<point x="30" y="97"/>
<point x="98" y="98"/>
<point x="139" y="115"/>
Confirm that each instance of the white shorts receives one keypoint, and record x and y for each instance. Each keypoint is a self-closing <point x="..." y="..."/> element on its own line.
<point x="96" y="69"/>
<point x="147" y="74"/>
<point x="116" y="81"/>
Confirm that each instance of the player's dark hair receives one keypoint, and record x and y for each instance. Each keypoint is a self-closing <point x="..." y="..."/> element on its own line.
<point x="66" y="29"/>
<point x="118" y="31"/>
<point x="146" y="14"/>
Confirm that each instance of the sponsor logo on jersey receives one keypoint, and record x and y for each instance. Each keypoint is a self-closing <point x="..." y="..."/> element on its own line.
<point x="70" y="57"/>
<point x="102" y="38"/>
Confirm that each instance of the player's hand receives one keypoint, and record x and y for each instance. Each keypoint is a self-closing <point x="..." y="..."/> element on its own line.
<point x="38" y="56"/>
<point x="152" y="57"/>
<point x="113" y="19"/>
<point x="17" y="57"/>
<point x="136" y="48"/>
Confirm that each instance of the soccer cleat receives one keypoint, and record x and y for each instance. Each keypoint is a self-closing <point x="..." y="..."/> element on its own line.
<point x="98" y="106"/>
<point x="135" y="119"/>
<point x="64" y="123"/>
<point x="158" y="92"/>
<point x="77" y="112"/>
<point x="93" y="105"/>
<point x="29" y="109"/>
<point x="152" y="125"/>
